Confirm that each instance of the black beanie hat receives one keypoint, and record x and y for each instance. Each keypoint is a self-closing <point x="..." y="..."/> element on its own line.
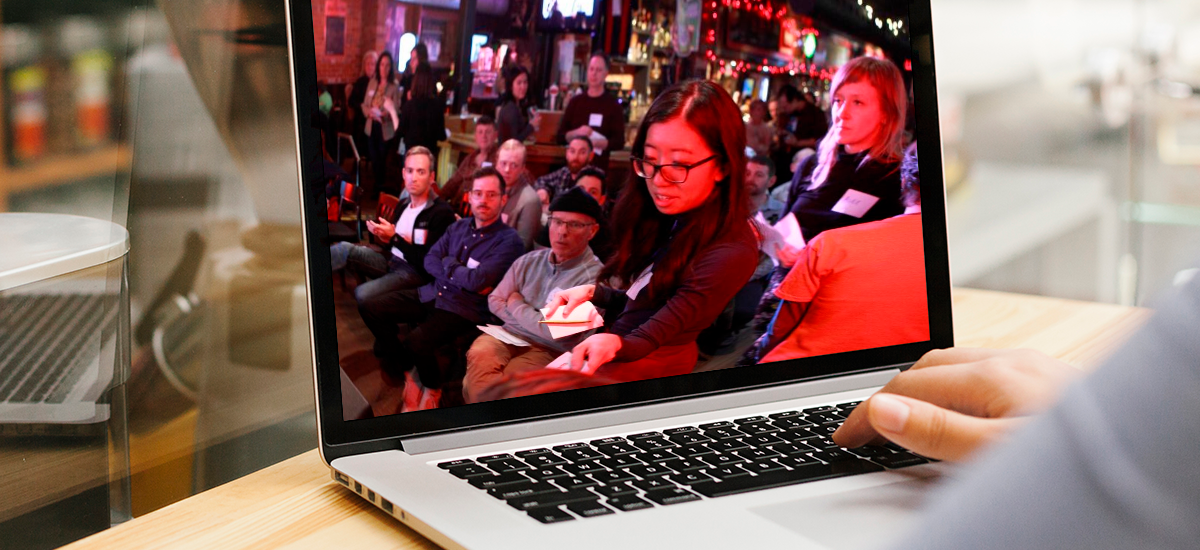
<point x="579" y="201"/>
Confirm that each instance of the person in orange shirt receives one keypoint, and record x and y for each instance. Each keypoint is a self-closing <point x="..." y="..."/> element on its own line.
<point x="857" y="287"/>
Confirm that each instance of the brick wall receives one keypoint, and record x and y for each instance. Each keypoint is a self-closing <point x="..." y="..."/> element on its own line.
<point x="365" y="30"/>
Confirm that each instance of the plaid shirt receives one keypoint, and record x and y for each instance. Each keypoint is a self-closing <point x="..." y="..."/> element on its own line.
<point x="556" y="182"/>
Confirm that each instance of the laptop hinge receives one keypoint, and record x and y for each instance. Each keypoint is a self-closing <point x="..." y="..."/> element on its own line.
<point x="510" y="432"/>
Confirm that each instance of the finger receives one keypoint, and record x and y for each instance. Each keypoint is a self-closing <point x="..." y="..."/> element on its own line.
<point x="572" y="303"/>
<point x="933" y="431"/>
<point x="589" y="367"/>
<point x="578" y="356"/>
<point x="957" y="355"/>
<point x="968" y="388"/>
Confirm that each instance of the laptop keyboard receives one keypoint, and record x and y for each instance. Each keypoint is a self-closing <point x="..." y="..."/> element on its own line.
<point x="645" y="470"/>
<point x="43" y="340"/>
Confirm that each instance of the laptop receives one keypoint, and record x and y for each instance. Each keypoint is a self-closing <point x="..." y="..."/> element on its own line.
<point x="736" y="457"/>
<point x="63" y="303"/>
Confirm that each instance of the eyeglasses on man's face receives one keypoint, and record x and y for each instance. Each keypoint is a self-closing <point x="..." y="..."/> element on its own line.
<point x="672" y="173"/>
<point x="489" y="195"/>
<point x="573" y="226"/>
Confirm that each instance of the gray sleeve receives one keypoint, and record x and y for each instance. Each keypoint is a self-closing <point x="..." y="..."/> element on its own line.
<point x="1109" y="467"/>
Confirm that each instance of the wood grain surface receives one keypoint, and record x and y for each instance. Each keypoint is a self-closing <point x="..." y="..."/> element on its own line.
<point x="295" y="504"/>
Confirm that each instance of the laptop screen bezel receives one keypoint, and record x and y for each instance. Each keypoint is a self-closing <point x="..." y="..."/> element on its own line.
<point x="341" y="437"/>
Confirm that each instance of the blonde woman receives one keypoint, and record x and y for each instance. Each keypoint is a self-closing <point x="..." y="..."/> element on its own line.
<point x="855" y="175"/>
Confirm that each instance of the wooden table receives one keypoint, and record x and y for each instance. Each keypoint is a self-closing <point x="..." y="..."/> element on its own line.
<point x="295" y="504"/>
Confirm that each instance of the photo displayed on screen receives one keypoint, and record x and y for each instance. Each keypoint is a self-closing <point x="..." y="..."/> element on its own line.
<point x="590" y="219"/>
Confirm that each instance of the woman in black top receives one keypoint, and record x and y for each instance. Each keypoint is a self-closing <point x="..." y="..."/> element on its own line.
<point x="855" y="176"/>
<point x="422" y="121"/>
<point x="513" y="120"/>
<point x="684" y="245"/>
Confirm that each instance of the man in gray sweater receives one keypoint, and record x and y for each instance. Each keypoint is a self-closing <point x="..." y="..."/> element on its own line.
<point x="528" y="284"/>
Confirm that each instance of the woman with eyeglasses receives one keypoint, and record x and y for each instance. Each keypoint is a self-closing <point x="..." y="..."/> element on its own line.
<point x="685" y="245"/>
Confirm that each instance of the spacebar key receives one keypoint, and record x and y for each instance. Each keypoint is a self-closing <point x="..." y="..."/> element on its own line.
<point x="780" y="478"/>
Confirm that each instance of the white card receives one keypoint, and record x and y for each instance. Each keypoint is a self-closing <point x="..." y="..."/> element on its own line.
<point x="503" y="335"/>
<point x="855" y="203"/>
<point x="397" y="253"/>
<point x="636" y="288"/>
<point x="785" y="232"/>
<point x="419" y="236"/>
<point x="504" y="218"/>
<point x="562" y="326"/>
<point x="472" y="263"/>
<point x="562" y="363"/>
<point x="596" y="119"/>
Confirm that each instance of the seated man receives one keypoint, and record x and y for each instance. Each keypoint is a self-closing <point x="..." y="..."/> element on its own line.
<point x="579" y="155"/>
<point x="418" y="223"/>
<point x="523" y="211"/>
<point x="760" y="177"/>
<point x="485" y="155"/>
<point x="466" y="264"/>
<point x="591" y="180"/>
<point x="529" y="283"/>
<point x="857" y="287"/>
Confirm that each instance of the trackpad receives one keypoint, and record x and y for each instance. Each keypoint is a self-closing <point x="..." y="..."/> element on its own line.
<point x="863" y="518"/>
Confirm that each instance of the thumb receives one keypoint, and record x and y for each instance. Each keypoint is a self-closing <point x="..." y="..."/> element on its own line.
<point x="932" y="431"/>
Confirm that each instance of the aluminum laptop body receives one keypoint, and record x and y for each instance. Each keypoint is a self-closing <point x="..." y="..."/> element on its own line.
<point x="400" y="462"/>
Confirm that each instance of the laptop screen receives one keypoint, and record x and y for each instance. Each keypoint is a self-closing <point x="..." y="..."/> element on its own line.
<point x="551" y="245"/>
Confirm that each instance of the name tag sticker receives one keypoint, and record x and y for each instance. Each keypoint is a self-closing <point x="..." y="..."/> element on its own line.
<point x="636" y="288"/>
<point x="472" y="263"/>
<point x="504" y="218"/>
<point x="419" y="236"/>
<point x="596" y="119"/>
<point x="855" y="203"/>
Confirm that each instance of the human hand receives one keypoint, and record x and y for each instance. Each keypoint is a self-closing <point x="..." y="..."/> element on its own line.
<point x="595" y="352"/>
<point x="571" y="298"/>
<point x="954" y="402"/>
<point x="515" y="299"/>
<point x="536" y="121"/>
<point x="787" y="255"/>
<point x="382" y="229"/>
<point x="544" y="198"/>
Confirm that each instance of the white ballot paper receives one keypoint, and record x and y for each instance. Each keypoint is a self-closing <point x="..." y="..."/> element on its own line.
<point x="579" y="321"/>
<point x="502" y="335"/>
<point x="785" y="232"/>
<point x="563" y="362"/>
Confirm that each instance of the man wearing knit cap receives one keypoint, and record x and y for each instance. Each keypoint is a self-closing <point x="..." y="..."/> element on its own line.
<point x="529" y="283"/>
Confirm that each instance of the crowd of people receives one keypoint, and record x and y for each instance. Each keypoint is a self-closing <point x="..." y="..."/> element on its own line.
<point x="680" y="256"/>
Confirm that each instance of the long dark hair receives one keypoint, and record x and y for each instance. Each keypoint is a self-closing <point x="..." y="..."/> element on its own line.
<point x="391" y="66"/>
<point x="510" y="75"/>
<point x="709" y="110"/>
<point x="423" y="84"/>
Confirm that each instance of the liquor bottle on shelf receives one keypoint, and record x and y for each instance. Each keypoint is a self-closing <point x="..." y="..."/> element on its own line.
<point x="25" y="90"/>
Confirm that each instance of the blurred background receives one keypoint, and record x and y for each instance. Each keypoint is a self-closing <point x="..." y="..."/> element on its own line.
<point x="1071" y="131"/>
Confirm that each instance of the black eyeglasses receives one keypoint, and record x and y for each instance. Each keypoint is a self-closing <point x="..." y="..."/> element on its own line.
<point x="673" y="173"/>
<point x="573" y="226"/>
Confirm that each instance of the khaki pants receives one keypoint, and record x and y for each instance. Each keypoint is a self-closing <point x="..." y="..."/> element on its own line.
<point x="489" y="361"/>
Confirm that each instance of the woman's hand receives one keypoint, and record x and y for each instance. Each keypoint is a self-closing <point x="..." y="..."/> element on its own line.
<point x="954" y="402"/>
<point x="536" y="121"/>
<point x="787" y="255"/>
<point x="595" y="352"/>
<point x="571" y="298"/>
